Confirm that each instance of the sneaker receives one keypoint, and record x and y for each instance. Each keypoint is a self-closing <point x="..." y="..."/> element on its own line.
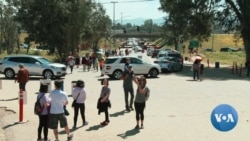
<point x="131" y="108"/>
<point x="127" y="109"/>
<point x="137" y="127"/>
<point x="70" y="136"/>
<point x="104" y="123"/>
<point x="142" y="127"/>
<point x="74" y="127"/>
<point x="85" y="123"/>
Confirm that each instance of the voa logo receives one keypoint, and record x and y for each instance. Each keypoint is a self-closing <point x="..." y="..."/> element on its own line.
<point x="224" y="117"/>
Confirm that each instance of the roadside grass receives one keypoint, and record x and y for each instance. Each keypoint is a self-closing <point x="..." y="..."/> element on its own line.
<point x="216" y="41"/>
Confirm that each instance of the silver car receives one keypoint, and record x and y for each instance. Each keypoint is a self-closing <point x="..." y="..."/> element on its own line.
<point x="169" y="64"/>
<point x="37" y="66"/>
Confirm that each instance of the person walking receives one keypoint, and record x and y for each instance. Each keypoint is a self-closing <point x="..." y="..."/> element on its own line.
<point x="22" y="77"/>
<point x="84" y="63"/>
<point x="127" y="78"/>
<point x="79" y="94"/>
<point x="196" y="69"/>
<point x="202" y="68"/>
<point x="71" y="63"/>
<point x="104" y="102"/>
<point x="140" y="100"/>
<point x="77" y="59"/>
<point x="44" y="116"/>
<point x="59" y="99"/>
<point x="101" y="63"/>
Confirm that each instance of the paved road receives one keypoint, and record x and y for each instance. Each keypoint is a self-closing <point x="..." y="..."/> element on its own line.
<point x="178" y="108"/>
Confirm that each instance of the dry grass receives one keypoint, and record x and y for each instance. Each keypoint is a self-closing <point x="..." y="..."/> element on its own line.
<point x="216" y="42"/>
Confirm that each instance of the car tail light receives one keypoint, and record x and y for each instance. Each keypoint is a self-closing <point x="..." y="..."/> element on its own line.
<point x="182" y="60"/>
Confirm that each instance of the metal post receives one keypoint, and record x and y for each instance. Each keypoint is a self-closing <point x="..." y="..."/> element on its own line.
<point x="21" y="93"/>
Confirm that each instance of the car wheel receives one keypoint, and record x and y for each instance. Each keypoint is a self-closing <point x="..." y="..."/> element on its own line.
<point x="47" y="74"/>
<point x="153" y="73"/>
<point x="9" y="73"/>
<point x="117" y="74"/>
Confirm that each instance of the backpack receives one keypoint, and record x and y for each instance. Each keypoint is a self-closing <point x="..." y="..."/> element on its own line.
<point x="38" y="108"/>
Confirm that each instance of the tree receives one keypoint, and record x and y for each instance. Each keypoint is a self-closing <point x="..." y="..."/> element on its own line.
<point x="196" y="18"/>
<point x="9" y="28"/>
<point x="60" y="24"/>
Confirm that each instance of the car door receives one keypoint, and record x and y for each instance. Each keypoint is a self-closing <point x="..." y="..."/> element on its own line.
<point x="176" y="63"/>
<point x="138" y="66"/>
<point x="34" y="66"/>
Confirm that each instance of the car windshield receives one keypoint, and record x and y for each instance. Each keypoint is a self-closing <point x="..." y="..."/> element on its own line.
<point x="44" y="61"/>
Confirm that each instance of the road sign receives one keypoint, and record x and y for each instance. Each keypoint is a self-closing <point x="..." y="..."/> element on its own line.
<point x="194" y="44"/>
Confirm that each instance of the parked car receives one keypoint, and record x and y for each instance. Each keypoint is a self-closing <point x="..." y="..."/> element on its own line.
<point x="168" y="53"/>
<point x="114" y="67"/>
<point x="37" y="66"/>
<point x="169" y="64"/>
<point x="228" y="49"/>
<point x="208" y="50"/>
<point x="23" y="45"/>
<point x="155" y="53"/>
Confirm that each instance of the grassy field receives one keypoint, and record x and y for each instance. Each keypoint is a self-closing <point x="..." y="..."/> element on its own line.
<point x="216" y="42"/>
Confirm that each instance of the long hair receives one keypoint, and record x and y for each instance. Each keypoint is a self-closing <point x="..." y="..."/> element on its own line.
<point x="43" y="88"/>
<point x="143" y="80"/>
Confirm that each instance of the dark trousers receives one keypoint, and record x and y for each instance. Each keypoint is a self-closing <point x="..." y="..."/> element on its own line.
<point x="22" y="86"/>
<point x="106" y="114"/>
<point x="126" y="92"/>
<point x="196" y="74"/>
<point x="43" y="125"/>
<point x="71" y="68"/>
<point x="80" y="106"/>
<point x="139" y="110"/>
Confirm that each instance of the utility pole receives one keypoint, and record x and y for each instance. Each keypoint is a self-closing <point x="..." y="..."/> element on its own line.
<point x="114" y="2"/>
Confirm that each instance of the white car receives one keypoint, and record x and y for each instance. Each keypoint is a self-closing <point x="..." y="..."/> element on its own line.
<point x="37" y="66"/>
<point x="114" y="67"/>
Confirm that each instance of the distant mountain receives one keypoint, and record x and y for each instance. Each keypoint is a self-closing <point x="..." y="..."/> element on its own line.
<point x="140" y="21"/>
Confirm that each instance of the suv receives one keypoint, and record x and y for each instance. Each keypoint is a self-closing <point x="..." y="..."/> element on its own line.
<point x="168" y="53"/>
<point x="114" y="67"/>
<point x="37" y="66"/>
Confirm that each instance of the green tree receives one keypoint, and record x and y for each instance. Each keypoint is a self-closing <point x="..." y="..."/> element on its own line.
<point x="97" y="26"/>
<point x="9" y="28"/>
<point x="60" y="24"/>
<point x="196" y="18"/>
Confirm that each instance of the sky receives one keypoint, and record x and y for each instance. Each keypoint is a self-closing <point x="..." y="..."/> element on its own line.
<point x="126" y="9"/>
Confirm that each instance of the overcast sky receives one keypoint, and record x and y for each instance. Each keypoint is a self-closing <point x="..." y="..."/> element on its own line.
<point x="131" y="10"/>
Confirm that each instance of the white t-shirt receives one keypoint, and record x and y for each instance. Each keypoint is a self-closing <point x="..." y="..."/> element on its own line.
<point x="58" y="97"/>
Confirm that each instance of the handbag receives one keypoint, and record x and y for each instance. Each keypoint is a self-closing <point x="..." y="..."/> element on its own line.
<point x="74" y="101"/>
<point x="66" y="112"/>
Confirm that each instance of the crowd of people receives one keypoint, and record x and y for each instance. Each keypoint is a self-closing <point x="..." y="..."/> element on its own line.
<point x="54" y="102"/>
